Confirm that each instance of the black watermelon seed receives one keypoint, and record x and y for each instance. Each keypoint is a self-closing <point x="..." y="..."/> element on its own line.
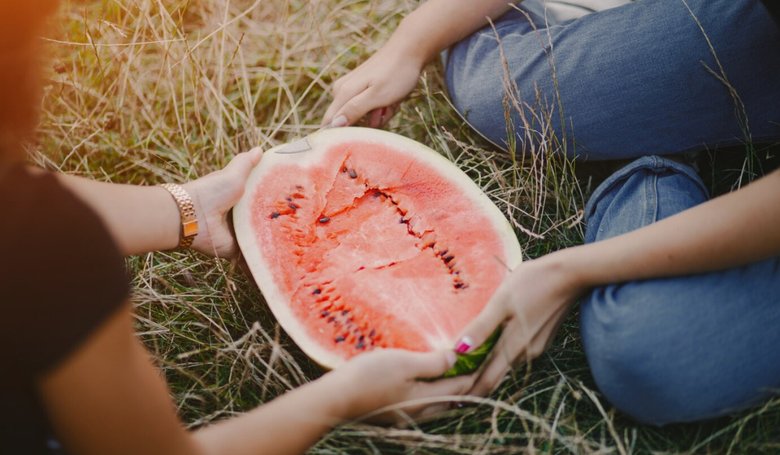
<point x="339" y="339"/>
<point x="324" y="219"/>
<point x="360" y="345"/>
<point x="293" y="206"/>
<point x="352" y="173"/>
<point x="275" y="215"/>
<point x="317" y="291"/>
<point x="377" y="194"/>
<point x="403" y="220"/>
<point x="288" y="199"/>
<point x="325" y="314"/>
<point x="447" y="259"/>
<point x="344" y="312"/>
<point x="458" y="285"/>
<point x="362" y="337"/>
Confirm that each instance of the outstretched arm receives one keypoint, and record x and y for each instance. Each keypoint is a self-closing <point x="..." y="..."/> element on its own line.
<point x="107" y="397"/>
<point x="729" y="231"/>
<point x="146" y="218"/>
<point x="391" y="74"/>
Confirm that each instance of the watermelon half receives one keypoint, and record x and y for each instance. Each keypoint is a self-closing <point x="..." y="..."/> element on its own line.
<point x="359" y="238"/>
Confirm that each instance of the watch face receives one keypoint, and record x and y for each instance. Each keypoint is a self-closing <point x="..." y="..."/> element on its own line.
<point x="189" y="228"/>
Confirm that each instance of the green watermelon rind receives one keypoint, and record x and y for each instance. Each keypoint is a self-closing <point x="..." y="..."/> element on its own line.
<point x="471" y="361"/>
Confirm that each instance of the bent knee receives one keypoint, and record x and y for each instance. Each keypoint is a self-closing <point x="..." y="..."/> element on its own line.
<point x="638" y="358"/>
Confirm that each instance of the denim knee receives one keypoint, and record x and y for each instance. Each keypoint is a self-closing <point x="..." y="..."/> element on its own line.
<point x="686" y="348"/>
<point x="620" y="345"/>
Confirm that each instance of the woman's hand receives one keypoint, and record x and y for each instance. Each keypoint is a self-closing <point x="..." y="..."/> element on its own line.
<point x="214" y="195"/>
<point x="375" y="87"/>
<point x="389" y="378"/>
<point x="529" y="304"/>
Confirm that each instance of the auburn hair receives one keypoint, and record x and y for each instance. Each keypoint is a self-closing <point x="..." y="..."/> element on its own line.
<point x="20" y="24"/>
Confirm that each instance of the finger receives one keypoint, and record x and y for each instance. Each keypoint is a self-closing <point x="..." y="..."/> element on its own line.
<point x="430" y="364"/>
<point x="500" y="362"/>
<point x="346" y="92"/>
<point x="375" y="117"/>
<point x="486" y="322"/>
<point x="354" y="109"/>
<point x="243" y="163"/>
<point x="389" y="114"/>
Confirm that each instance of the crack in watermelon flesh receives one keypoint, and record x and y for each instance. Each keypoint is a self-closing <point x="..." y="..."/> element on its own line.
<point x="385" y="253"/>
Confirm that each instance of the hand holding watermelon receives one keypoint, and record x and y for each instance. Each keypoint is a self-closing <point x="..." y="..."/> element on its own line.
<point x="214" y="195"/>
<point x="530" y="305"/>
<point x="377" y="383"/>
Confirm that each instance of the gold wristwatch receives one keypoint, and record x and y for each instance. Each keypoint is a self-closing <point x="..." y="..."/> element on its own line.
<point x="189" y="222"/>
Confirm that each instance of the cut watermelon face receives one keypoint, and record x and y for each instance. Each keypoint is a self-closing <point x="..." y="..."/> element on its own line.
<point x="362" y="239"/>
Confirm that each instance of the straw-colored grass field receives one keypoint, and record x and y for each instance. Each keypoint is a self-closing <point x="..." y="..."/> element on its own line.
<point x="144" y="92"/>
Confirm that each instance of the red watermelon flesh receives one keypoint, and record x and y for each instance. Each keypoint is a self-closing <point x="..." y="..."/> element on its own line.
<point x="371" y="240"/>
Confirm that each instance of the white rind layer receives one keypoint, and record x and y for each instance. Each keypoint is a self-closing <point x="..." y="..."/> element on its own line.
<point x="321" y="142"/>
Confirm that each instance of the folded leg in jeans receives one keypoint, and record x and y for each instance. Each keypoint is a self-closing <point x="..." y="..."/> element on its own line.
<point x="685" y="348"/>
<point x="637" y="79"/>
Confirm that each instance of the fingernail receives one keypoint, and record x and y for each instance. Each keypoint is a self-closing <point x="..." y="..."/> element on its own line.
<point x="464" y="345"/>
<point x="339" y="121"/>
<point x="451" y="358"/>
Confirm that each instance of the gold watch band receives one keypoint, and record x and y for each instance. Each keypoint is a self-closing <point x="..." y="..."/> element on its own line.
<point x="189" y="222"/>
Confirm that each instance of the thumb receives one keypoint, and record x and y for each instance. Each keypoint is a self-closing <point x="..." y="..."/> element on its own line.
<point x="479" y="329"/>
<point x="243" y="163"/>
<point x="432" y="364"/>
<point x="354" y="109"/>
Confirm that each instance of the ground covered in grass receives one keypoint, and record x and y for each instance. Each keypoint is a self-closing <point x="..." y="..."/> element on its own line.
<point x="147" y="92"/>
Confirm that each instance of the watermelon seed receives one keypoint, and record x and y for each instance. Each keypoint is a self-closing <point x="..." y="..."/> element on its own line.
<point x="352" y="173"/>
<point x="324" y="219"/>
<point x="288" y="199"/>
<point x="360" y="345"/>
<point x="275" y="215"/>
<point x="332" y="318"/>
<point x="293" y="206"/>
<point x="344" y="312"/>
<point x="317" y="291"/>
<point x="404" y="221"/>
<point x="458" y="285"/>
<point x="339" y="339"/>
<point x="449" y="258"/>
<point x="443" y="252"/>
<point x="325" y="314"/>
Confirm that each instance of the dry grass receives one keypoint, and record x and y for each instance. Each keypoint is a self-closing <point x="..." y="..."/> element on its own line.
<point x="144" y="92"/>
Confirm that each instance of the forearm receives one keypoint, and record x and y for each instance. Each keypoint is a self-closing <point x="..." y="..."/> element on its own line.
<point x="437" y="24"/>
<point x="289" y="424"/>
<point x="140" y="218"/>
<point x="729" y="231"/>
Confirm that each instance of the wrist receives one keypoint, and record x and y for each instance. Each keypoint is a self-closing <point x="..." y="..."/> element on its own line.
<point x="410" y="44"/>
<point x="188" y="219"/>
<point x="570" y="266"/>
<point x="334" y="392"/>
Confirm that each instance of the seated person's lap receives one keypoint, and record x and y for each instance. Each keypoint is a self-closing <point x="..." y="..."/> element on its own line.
<point x="684" y="348"/>
<point x="627" y="81"/>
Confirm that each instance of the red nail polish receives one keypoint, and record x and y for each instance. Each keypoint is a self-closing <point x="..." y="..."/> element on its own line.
<point x="464" y="345"/>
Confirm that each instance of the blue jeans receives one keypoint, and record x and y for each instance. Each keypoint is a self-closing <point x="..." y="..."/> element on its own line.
<point x="623" y="82"/>
<point x="685" y="348"/>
